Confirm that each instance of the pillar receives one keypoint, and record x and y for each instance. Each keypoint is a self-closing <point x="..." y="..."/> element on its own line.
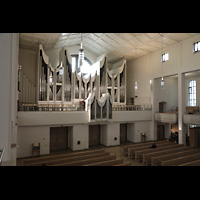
<point x="182" y="129"/>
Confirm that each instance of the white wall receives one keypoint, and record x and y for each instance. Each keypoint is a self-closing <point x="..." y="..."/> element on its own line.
<point x="181" y="59"/>
<point x="29" y="135"/>
<point x="8" y="100"/>
<point x="80" y="133"/>
<point x="108" y="134"/>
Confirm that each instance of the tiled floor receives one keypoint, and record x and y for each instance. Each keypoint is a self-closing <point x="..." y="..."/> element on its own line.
<point x="116" y="150"/>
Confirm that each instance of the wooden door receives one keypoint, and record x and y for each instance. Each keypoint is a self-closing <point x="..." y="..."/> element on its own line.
<point x="123" y="133"/>
<point x="195" y="137"/>
<point x="160" y="132"/>
<point x="58" y="138"/>
<point x="94" y="135"/>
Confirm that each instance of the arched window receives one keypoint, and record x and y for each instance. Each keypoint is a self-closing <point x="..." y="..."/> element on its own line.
<point x="192" y="93"/>
<point x="86" y="69"/>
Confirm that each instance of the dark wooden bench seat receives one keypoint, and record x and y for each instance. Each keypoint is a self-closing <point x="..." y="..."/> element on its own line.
<point x="86" y="161"/>
<point x="70" y="159"/>
<point x="30" y="161"/>
<point x="181" y="160"/>
<point x="192" y="163"/>
<point x="147" y="156"/>
<point x="156" y="161"/>
<point x="139" y="154"/>
<point x="125" y="148"/>
<point x="107" y="163"/>
<point x="132" y="150"/>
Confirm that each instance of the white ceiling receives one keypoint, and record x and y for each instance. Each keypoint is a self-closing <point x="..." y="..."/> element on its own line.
<point x="115" y="45"/>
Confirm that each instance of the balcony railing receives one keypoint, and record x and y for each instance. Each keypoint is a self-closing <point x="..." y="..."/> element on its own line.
<point x="132" y="107"/>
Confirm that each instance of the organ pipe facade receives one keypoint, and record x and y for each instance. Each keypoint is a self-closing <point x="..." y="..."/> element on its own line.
<point x="64" y="85"/>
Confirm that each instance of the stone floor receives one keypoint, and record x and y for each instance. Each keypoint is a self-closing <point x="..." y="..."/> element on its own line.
<point x="116" y="150"/>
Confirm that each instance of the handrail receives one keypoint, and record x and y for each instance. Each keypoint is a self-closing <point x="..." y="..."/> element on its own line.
<point x="1" y="155"/>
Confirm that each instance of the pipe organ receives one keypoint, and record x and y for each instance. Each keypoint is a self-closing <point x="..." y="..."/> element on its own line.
<point x="64" y="85"/>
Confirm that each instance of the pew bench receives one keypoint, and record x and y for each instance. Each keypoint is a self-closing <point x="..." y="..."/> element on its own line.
<point x="156" y="161"/>
<point x="147" y="156"/>
<point x="113" y="162"/>
<point x="86" y="161"/>
<point x="139" y="154"/>
<point x="30" y="161"/>
<point x="180" y="160"/>
<point x="192" y="163"/>
<point x="125" y="148"/>
<point x="69" y="159"/>
<point x="132" y="150"/>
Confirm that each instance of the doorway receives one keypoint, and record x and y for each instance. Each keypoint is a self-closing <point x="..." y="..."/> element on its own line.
<point x="58" y="138"/>
<point x="160" y="132"/>
<point x="94" y="135"/>
<point x="123" y="133"/>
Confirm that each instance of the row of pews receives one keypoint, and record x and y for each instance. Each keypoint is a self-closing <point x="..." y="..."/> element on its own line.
<point x="83" y="158"/>
<point x="166" y="153"/>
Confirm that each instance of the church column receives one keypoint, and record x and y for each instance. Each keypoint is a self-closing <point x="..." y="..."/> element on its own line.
<point x="181" y="109"/>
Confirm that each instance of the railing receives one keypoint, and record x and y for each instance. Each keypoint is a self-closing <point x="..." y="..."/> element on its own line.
<point x="49" y="107"/>
<point x="132" y="107"/>
<point x="76" y="107"/>
<point x="1" y="155"/>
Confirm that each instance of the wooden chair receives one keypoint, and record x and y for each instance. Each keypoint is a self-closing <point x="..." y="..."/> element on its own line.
<point x="36" y="149"/>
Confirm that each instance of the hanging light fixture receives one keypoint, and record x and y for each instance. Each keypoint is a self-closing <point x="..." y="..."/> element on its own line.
<point x="162" y="80"/>
<point x="81" y="55"/>
<point x="136" y="86"/>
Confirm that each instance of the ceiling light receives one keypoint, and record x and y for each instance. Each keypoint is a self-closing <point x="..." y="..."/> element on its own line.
<point x="80" y="55"/>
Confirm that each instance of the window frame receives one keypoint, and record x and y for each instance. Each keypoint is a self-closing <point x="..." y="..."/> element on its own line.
<point x="85" y="58"/>
<point x="196" y="47"/>
<point x="163" y="57"/>
<point x="192" y="91"/>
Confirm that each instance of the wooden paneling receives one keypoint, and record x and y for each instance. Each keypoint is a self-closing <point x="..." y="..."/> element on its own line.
<point x="94" y="135"/>
<point x="123" y="133"/>
<point x="195" y="137"/>
<point x="160" y="132"/>
<point x="58" y="138"/>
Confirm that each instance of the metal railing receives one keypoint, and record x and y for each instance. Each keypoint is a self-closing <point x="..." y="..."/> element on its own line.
<point x="1" y="155"/>
<point x="132" y="107"/>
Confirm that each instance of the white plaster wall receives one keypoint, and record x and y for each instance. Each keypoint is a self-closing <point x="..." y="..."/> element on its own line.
<point x="8" y="100"/>
<point x="141" y="127"/>
<point x="51" y="118"/>
<point x="29" y="135"/>
<point x="80" y="133"/>
<point x="108" y="134"/>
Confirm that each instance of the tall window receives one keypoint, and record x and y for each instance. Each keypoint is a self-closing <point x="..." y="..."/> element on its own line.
<point x="192" y="93"/>
<point x="86" y="69"/>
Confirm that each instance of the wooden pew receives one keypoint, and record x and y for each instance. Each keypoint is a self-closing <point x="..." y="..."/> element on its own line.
<point x="131" y="151"/>
<point x="107" y="163"/>
<point x="139" y="154"/>
<point x="66" y="155"/>
<point x="125" y="148"/>
<point x="123" y="164"/>
<point x="155" y="161"/>
<point x="192" y="163"/>
<point x="70" y="159"/>
<point x="86" y="161"/>
<point x="147" y="156"/>
<point x="181" y="160"/>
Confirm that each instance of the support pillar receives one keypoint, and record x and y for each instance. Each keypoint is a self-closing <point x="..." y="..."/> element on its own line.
<point x="182" y="129"/>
